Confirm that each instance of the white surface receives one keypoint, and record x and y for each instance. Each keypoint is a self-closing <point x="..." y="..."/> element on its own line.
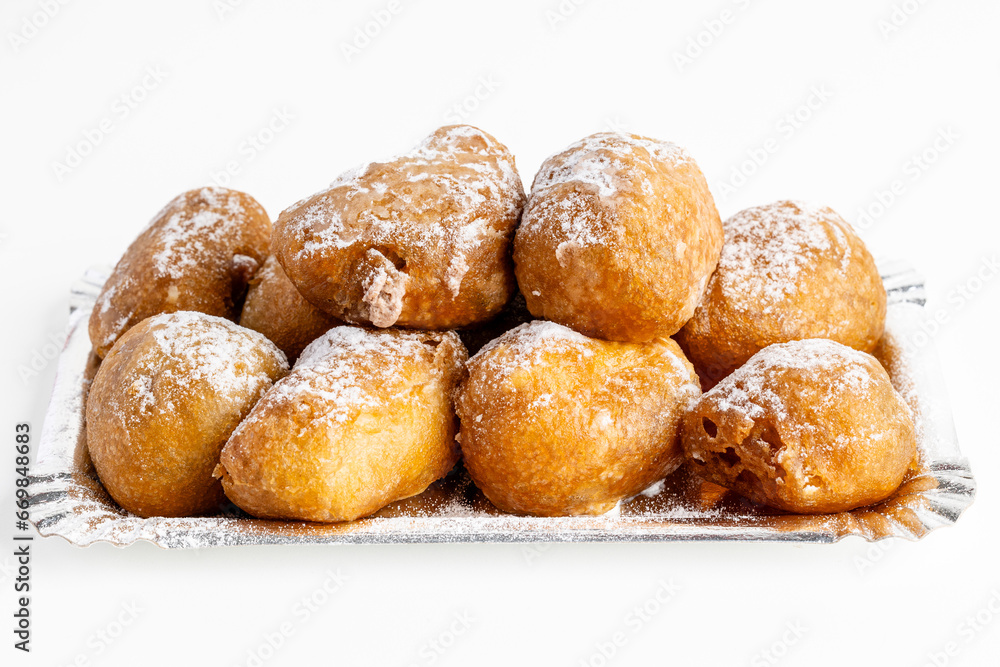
<point x="607" y="64"/>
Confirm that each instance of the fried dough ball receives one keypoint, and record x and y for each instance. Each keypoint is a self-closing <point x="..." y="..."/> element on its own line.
<point x="808" y="426"/>
<point x="164" y="402"/>
<point x="554" y="423"/>
<point x="788" y="271"/>
<point x="421" y="241"/>
<point x="365" y="418"/>
<point x="197" y="254"/>
<point x="276" y="309"/>
<point x="618" y="238"/>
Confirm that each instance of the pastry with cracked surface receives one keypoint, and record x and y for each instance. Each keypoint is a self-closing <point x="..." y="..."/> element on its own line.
<point x="420" y="241"/>
<point x="809" y="426"/>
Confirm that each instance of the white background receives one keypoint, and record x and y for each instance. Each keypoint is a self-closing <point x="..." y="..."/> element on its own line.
<point x="553" y="78"/>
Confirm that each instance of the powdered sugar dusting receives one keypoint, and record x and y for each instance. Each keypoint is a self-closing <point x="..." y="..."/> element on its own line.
<point x="750" y="390"/>
<point x="653" y="490"/>
<point x="185" y="238"/>
<point x="529" y="343"/>
<point x="348" y="369"/>
<point x="105" y="301"/>
<point x="607" y="163"/>
<point x="480" y="174"/>
<point x="195" y="353"/>
<point x="532" y="346"/>
<point x="457" y="269"/>
<point x="768" y="248"/>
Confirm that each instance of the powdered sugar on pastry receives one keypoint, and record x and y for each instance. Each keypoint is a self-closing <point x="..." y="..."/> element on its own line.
<point x="197" y="254"/>
<point x="607" y="161"/>
<point x="768" y="248"/>
<point x="194" y="353"/>
<point x="470" y="184"/>
<point x="419" y="224"/>
<point x="533" y="345"/>
<point x="184" y="238"/>
<point x="528" y="343"/>
<point x="349" y="368"/>
<point x="610" y="164"/>
<point x="751" y="391"/>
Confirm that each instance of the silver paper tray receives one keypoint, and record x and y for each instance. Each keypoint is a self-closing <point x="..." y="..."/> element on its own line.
<point x="67" y="499"/>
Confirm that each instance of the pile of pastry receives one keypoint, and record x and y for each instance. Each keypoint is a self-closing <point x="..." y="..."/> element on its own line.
<point x="320" y="369"/>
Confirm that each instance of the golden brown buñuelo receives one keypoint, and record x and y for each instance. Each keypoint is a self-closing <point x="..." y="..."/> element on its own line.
<point x="789" y="271"/>
<point x="197" y="254"/>
<point x="163" y="403"/>
<point x="420" y="241"/>
<point x="808" y="426"/>
<point x="364" y="418"/>
<point x="554" y="423"/>
<point x="618" y="238"/>
<point x="275" y="308"/>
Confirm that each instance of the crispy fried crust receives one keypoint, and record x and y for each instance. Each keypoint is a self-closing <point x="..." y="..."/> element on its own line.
<point x="809" y="426"/>
<point x="164" y="402"/>
<point x="618" y="238"/>
<point x="364" y="418"/>
<point x="789" y="271"/>
<point x="554" y="423"/>
<point x="421" y="241"/>
<point x="197" y="254"/>
<point x="275" y="308"/>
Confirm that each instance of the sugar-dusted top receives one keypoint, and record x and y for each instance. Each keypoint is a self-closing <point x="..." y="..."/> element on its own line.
<point x="191" y="354"/>
<point x="437" y="194"/>
<point x="528" y="343"/>
<point x="769" y="249"/>
<point x="202" y="221"/>
<point x="190" y="256"/>
<point x="350" y="368"/>
<point x="760" y="387"/>
<point x="608" y="160"/>
<point x="611" y="165"/>
<point x="529" y="347"/>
